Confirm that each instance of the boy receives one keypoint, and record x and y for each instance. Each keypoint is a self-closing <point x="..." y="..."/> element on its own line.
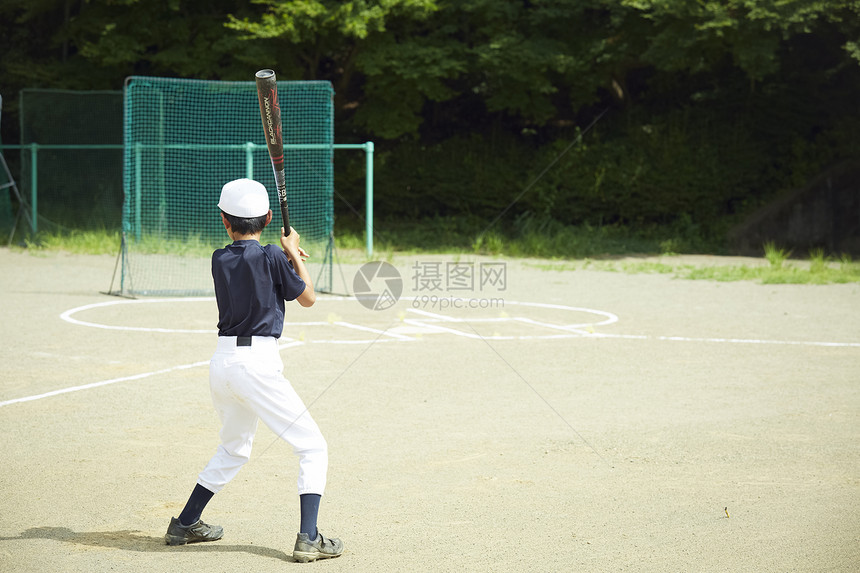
<point x="252" y="282"/>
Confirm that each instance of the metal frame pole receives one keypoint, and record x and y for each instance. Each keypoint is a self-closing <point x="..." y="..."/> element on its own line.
<point x="368" y="230"/>
<point x="34" y="187"/>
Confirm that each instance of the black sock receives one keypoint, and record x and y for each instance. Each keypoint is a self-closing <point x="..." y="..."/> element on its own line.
<point x="194" y="508"/>
<point x="310" y="506"/>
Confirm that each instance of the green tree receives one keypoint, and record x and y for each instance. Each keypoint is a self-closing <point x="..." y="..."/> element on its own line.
<point x="329" y="39"/>
<point x="166" y="37"/>
<point x="741" y="97"/>
<point x="696" y="36"/>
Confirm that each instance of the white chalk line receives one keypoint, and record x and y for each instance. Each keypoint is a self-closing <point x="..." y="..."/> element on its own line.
<point x="122" y="379"/>
<point x="67" y="316"/>
<point x="431" y="321"/>
<point x="727" y="340"/>
<point x="102" y="383"/>
<point x="428" y="323"/>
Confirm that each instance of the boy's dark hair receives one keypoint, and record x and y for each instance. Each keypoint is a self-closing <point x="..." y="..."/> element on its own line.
<point x="246" y="226"/>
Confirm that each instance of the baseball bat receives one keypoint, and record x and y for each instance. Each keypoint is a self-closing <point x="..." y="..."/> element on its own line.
<point x="270" y="113"/>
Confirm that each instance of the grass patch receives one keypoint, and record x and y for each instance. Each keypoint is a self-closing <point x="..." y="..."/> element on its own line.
<point x="191" y="246"/>
<point x="528" y="237"/>
<point x="817" y="270"/>
<point x="99" y="242"/>
<point x="104" y="242"/>
<point x="775" y="256"/>
<point x="566" y="242"/>
<point x="566" y="249"/>
<point x="790" y="274"/>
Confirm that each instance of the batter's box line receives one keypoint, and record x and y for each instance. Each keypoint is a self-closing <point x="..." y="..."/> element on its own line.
<point x="373" y="330"/>
<point x="434" y="327"/>
<point x="392" y="336"/>
<point x="570" y="329"/>
<point x="431" y="320"/>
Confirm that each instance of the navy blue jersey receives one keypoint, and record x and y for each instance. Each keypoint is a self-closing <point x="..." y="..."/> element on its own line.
<point x="251" y="284"/>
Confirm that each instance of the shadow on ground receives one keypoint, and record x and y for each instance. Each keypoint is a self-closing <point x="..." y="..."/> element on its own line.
<point x="135" y="541"/>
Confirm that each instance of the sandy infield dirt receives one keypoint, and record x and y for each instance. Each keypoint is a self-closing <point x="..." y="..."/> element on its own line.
<point x="591" y="421"/>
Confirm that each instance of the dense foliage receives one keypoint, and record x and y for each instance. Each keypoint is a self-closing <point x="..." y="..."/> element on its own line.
<point x="713" y="105"/>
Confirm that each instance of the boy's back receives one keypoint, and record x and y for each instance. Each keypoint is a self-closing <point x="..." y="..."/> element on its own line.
<point x="252" y="282"/>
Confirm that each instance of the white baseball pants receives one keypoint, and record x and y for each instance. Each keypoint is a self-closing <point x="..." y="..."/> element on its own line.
<point x="248" y="385"/>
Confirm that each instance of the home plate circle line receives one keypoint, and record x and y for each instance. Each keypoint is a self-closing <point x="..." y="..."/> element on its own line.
<point x="431" y="323"/>
<point x="571" y="330"/>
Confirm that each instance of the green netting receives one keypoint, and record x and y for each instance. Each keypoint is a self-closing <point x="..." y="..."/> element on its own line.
<point x="183" y="140"/>
<point x="6" y="217"/>
<point x="79" y="184"/>
<point x="7" y="220"/>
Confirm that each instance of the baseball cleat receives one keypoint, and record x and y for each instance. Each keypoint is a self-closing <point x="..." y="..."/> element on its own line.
<point x="320" y="548"/>
<point x="178" y="534"/>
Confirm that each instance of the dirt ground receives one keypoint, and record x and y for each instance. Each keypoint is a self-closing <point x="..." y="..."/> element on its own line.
<point x="590" y="421"/>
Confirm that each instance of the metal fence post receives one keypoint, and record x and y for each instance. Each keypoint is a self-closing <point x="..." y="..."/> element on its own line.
<point x="138" y="156"/>
<point x="249" y="160"/>
<point x="34" y="186"/>
<point x="368" y="231"/>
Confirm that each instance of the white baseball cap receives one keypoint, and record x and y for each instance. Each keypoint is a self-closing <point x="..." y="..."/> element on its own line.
<point x="244" y="198"/>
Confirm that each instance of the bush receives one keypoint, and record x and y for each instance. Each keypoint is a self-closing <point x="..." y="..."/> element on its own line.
<point x="681" y="178"/>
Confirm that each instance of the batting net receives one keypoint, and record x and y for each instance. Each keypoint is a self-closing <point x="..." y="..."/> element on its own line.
<point x="183" y="140"/>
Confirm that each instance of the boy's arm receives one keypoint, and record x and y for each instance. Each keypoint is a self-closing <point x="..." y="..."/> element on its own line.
<point x="297" y="256"/>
